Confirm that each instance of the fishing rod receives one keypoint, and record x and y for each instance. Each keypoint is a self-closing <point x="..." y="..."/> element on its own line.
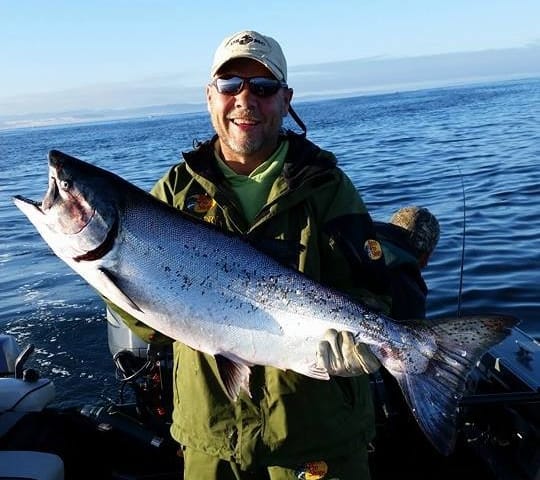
<point x="460" y="290"/>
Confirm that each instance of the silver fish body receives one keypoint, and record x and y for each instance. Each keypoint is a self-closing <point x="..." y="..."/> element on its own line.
<point x="218" y="294"/>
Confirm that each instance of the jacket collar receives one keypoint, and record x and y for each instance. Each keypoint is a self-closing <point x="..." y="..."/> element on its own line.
<point x="304" y="159"/>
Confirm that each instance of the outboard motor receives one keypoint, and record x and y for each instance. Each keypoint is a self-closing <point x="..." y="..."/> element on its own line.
<point x="22" y="392"/>
<point x="145" y="368"/>
<point x="122" y="339"/>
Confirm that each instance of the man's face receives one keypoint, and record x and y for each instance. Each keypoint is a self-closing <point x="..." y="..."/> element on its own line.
<point x="247" y="125"/>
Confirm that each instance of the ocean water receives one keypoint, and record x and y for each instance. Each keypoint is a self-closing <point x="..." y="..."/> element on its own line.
<point x="471" y="154"/>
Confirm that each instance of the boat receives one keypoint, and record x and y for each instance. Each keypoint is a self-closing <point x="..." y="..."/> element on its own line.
<point x="128" y="438"/>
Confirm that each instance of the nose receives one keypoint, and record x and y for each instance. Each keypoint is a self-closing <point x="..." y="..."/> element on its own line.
<point x="244" y="97"/>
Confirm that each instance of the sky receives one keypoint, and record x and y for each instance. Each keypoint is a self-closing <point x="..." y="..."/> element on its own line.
<point x="60" y="55"/>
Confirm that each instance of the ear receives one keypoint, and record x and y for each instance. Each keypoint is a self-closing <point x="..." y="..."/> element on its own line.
<point x="209" y="92"/>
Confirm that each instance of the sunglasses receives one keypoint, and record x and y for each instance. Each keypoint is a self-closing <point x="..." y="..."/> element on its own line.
<point x="261" y="86"/>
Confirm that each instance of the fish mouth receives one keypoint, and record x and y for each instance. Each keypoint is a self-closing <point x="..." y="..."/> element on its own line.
<point x="32" y="208"/>
<point x="52" y="193"/>
<point x="29" y="201"/>
<point x="28" y="206"/>
<point x="42" y="206"/>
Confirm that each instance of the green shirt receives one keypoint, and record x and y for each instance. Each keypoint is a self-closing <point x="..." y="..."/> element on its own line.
<point x="252" y="190"/>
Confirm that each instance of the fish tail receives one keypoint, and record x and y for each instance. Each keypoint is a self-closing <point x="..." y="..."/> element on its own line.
<point x="434" y="395"/>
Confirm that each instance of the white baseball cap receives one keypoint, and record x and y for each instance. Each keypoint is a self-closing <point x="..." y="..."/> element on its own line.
<point x="250" y="44"/>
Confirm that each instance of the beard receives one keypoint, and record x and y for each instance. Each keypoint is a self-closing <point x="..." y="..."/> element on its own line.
<point x="248" y="146"/>
<point x="245" y="144"/>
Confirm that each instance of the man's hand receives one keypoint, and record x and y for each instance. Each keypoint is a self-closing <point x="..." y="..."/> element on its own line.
<point x="340" y="356"/>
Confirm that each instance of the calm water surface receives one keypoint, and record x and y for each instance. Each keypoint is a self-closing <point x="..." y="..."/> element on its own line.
<point x="474" y="149"/>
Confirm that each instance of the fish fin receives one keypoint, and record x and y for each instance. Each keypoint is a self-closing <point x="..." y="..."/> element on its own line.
<point x="234" y="375"/>
<point x="114" y="293"/>
<point x="434" y="394"/>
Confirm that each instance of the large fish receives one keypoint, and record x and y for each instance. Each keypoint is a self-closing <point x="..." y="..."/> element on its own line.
<point x="217" y="293"/>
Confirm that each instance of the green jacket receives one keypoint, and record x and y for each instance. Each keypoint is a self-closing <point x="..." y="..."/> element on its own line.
<point x="290" y="418"/>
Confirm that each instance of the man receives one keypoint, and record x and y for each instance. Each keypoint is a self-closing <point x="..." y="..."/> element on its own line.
<point x="286" y="196"/>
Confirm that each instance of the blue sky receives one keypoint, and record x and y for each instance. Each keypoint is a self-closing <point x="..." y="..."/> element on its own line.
<point x="65" y="54"/>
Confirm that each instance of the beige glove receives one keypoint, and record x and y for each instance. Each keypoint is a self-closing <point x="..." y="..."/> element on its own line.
<point x="340" y="356"/>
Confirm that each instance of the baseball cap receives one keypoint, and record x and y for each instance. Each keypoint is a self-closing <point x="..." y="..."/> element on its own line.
<point x="250" y="44"/>
<point x="422" y="225"/>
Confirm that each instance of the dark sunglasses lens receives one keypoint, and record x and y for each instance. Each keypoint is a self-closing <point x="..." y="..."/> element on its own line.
<point x="260" y="86"/>
<point x="229" y="86"/>
<point x="264" y="87"/>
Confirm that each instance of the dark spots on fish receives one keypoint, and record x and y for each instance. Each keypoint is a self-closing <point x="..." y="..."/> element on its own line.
<point x="206" y="282"/>
<point x="167" y="269"/>
<point x="186" y="283"/>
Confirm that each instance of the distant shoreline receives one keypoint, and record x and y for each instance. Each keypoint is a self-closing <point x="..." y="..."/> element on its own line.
<point x="65" y="119"/>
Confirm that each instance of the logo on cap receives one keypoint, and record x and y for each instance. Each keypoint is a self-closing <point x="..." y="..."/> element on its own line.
<point x="246" y="39"/>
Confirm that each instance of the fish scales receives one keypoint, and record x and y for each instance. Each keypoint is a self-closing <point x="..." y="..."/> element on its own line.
<point x="253" y="293"/>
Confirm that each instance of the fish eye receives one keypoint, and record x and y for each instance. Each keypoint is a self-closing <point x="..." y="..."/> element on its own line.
<point x="65" y="184"/>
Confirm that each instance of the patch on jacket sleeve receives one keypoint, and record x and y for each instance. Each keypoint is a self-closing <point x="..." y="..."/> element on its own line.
<point x="312" y="471"/>
<point x="354" y="234"/>
<point x="199" y="203"/>
<point x="373" y="249"/>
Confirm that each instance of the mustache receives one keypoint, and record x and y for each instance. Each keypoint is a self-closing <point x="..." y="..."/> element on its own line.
<point x="246" y="115"/>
